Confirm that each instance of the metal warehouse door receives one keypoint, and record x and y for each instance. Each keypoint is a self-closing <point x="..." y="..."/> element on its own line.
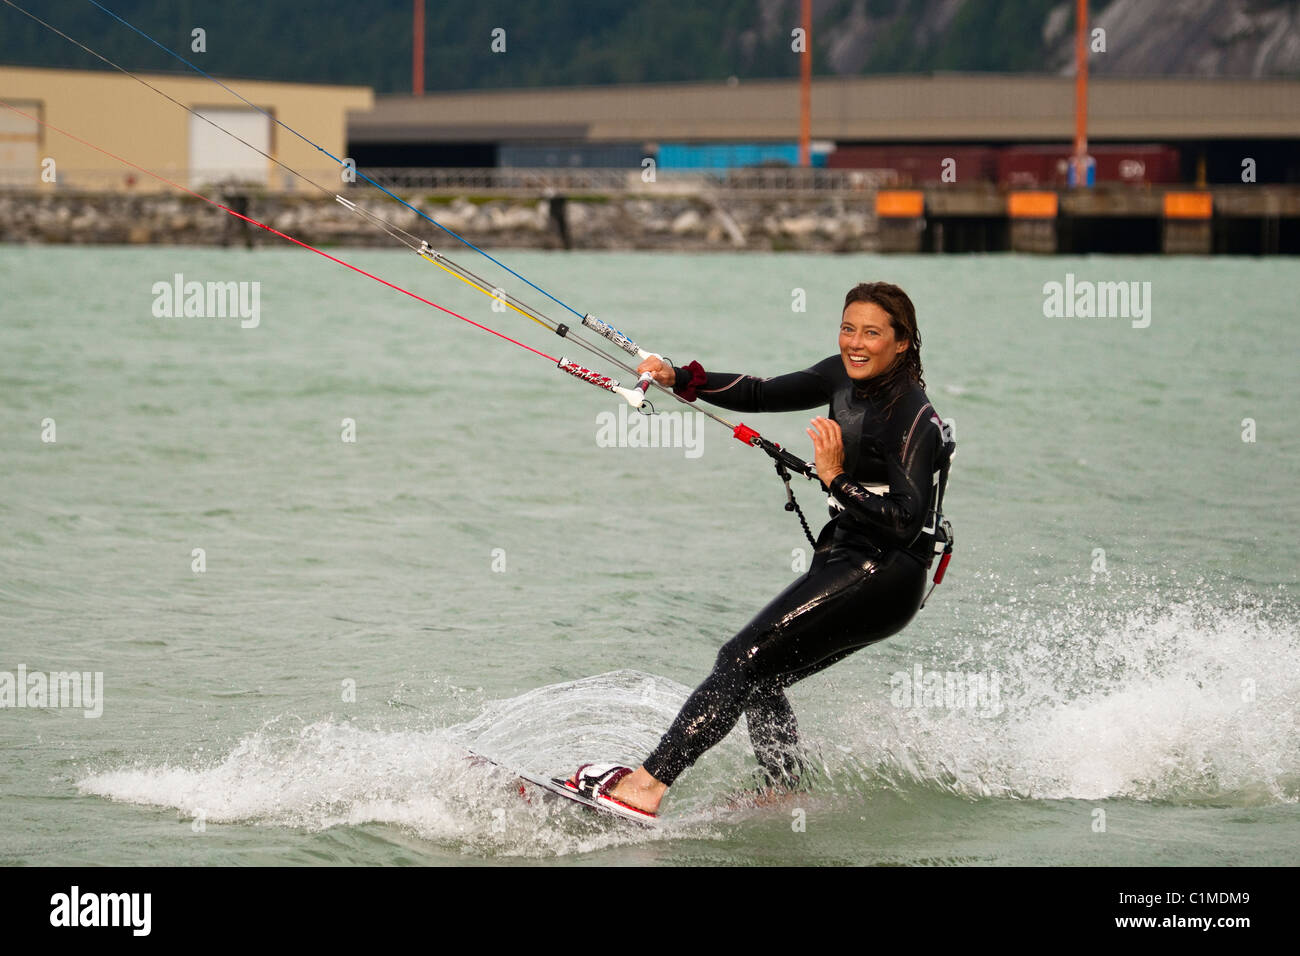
<point x="19" y="138"/>
<point x="218" y="158"/>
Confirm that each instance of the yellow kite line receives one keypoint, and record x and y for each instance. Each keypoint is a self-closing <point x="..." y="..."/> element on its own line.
<point x="433" y="257"/>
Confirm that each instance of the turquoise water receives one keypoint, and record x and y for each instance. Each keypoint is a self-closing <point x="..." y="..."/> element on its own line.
<point x="478" y="569"/>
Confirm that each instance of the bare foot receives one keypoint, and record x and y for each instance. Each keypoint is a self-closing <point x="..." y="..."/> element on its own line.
<point x="639" y="789"/>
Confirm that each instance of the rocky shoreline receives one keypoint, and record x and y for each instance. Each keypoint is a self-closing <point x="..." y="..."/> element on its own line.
<point x="666" y="223"/>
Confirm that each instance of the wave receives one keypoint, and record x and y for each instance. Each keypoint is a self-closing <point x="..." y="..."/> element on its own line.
<point x="1185" y="703"/>
<point x="330" y="773"/>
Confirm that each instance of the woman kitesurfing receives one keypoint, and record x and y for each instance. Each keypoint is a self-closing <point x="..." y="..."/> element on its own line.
<point x="883" y="455"/>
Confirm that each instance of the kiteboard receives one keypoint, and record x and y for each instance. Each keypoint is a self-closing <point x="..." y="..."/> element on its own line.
<point x="557" y="787"/>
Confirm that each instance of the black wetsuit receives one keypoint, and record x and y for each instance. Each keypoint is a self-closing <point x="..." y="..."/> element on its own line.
<point x="868" y="573"/>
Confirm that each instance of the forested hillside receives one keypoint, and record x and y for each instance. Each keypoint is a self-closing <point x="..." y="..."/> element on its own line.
<point x="567" y="42"/>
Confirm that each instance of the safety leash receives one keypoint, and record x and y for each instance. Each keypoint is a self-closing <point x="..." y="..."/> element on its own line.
<point x="942" y="547"/>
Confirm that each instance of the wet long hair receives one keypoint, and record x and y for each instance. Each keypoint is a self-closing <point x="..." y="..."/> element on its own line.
<point x="905" y="370"/>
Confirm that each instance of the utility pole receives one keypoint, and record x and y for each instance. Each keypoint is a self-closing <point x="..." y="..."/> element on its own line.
<point x="805" y="88"/>
<point x="417" y="51"/>
<point x="1081" y="162"/>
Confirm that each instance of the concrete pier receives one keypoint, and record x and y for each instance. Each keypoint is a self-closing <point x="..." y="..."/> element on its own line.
<point x="1247" y="219"/>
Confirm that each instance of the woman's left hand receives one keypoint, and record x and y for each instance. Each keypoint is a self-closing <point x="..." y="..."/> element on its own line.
<point x="828" y="444"/>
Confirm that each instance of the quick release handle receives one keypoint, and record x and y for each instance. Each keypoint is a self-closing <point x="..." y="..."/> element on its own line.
<point x="750" y="437"/>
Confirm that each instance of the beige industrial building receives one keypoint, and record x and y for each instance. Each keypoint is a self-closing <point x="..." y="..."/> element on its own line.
<point x="1212" y="118"/>
<point x="117" y="113"/>
<point x="1214" y="122"/>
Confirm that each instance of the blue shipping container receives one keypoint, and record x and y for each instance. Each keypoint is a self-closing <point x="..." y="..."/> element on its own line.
<point x="731" y="155"/>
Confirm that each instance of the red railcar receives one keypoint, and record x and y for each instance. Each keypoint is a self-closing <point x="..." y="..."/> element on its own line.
<point x="920" y="165"/>
<point x="1016" y="167"/>
<point x="1140" y="164"/>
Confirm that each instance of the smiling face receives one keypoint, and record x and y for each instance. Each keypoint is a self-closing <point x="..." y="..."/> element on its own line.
<point x="868" y="344"/>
